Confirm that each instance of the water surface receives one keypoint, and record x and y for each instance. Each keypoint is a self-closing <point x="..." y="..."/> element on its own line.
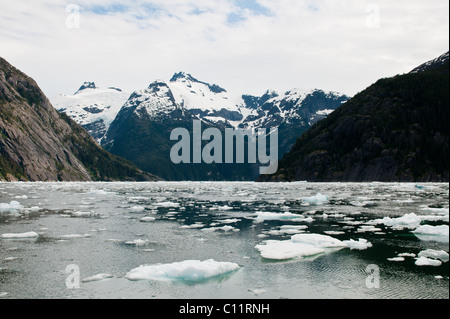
<point x="103" y="228"/>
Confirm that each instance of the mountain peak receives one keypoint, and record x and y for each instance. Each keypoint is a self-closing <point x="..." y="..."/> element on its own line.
<point x="186" y="77"/>
<point x="183" y="76"/>
<point x="439" y="61"/>
<point x="86" y="85"/>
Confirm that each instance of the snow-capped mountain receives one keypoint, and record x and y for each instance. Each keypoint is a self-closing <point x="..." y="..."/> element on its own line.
<point x="92" y="107"/>
<point x="139" y="129"/>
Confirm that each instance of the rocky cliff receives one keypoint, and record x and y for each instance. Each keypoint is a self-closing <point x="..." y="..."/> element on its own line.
<point x="39" y="144"/>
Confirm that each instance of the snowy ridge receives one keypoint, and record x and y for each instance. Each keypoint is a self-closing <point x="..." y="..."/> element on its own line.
<point x="155" y="100"/>
<point x="92" y="107"/>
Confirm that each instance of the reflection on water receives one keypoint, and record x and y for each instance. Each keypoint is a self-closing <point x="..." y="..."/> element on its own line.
<point x="108" y="229"/>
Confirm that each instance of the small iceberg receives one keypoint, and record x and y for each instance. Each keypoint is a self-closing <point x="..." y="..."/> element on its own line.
<point x="31" y="234"/>
<point x="13" y="207"/>
<point x="263" y="216"/>
<point x="361" y="244"/>
<point x="97" y="277"/>
<point x="188" y="270"/>
<point x="284" y="250"/>
<point x="424" y="261"/>
<point x="299" y="246"/>
<point x="316" y="200"/>
<point x="435" y="254"/>
<point x="317" y="240"/>
<point x="432" y="233"/>
<point x="408" y="221"/>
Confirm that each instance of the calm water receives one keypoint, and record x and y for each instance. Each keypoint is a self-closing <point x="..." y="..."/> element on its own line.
<point x="103" y="228"/>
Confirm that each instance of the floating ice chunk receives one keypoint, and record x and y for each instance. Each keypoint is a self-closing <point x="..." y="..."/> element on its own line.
<point x="334" y="232"/>
<point x="361" y="244"/>
<point x="370" y="228"/>
<point x="435" y="254"/>
<point x="225" y="207"/>
<point x="226" y="228"/>
<point x="316" y="200"/>
<point x="262" y="216"/>
<point x="188" y="270"/>
<point x="318" y="240"/>
<point x="167" y="204"/>
<point x="137" y="242"/>
<point x="70" y="236"/>
<point x="31" y="234"/>
<point x="97" y="277"/>
<point x="424" y="261"/>
<point x="229" y="221"/>
<point x="441" y="231"/>
<point x="147" y="219"/>
<point x="3" y="294"/>
<point x="284" y="250"/>
<point x="21" y="197"/>
<point x="398" y="258"/>
<point x="137" y="209"/>
<point x="409" y="221"/>
<point x="83" y="214"/>
<point x="192" y="226"/>
<point x="406" y="255"/>
<point x="287" y="230"/>
<point x="13" y="207"/>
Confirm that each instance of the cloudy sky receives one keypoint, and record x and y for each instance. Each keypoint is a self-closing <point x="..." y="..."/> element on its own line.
<point x="245" y="46"/>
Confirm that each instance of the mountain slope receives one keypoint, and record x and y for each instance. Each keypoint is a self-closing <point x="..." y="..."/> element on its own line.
<point x="92" y="107"/>
<point x="395" y="130"/>
<point x="141" y="134"/>
<point x="39" y="144"/>
<point x="141" y="130"/>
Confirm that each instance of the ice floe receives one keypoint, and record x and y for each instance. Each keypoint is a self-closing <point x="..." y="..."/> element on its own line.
<point x="361" y="244"/>
<point x="263" y="216"/>
<point x="31" y="234"/>
<point x="287" y="230"/>
<point x="318" y="240"/>
<point x="70" y="236"/>
<point x="13" y="207"/>
<point x="188" y="270"/>
<point x="424" y="261"/>
<point x="432" y="233"/>
<point x="408" y="221"/>
<point x="137" y="242"/>
<point x="397" y="259"/>
<point x="299" y="246"/>
<point x="167" y="204"/>
<point x="284" y="250"/>
<point x="435" y="254"/>
<point x="147" y="219"/>
<point x="137" y="209"/>
<point x="316" y="200"/>
<point x="226" y="228"/>
<point x="97" y="277"/>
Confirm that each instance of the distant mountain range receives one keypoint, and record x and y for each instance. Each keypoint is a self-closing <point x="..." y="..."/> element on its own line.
<point x="40" y="144"/>
<point x="139" y="129"/>
<point x="397" y="130"/>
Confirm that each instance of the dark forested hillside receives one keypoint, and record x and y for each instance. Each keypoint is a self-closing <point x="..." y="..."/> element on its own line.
<point x="395" y="130"/>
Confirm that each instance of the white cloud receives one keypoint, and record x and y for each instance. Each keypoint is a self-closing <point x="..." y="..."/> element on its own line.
<point x="242" y="45"/>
